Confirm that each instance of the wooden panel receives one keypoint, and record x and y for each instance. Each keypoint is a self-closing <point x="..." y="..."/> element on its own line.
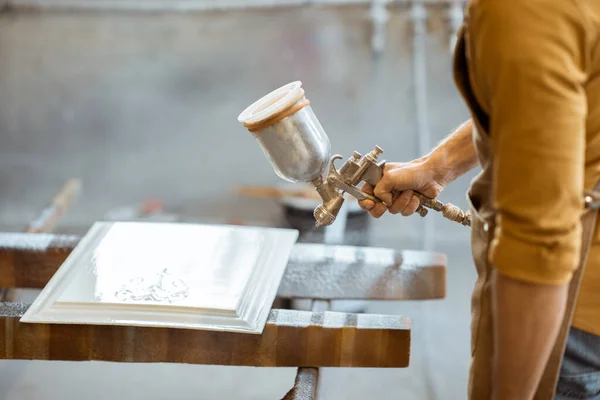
<point x="329" y="272"/>
<point x="314" y="271"/>
<point x="291" y="338"/>
<point x="28" y="260"/>
<point x="47" y="219"/>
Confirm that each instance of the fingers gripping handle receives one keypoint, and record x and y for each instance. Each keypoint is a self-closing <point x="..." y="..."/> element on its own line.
<point x="422" y="211"/>
<point x="449" y="211"/>
<point x="372" y="174"/>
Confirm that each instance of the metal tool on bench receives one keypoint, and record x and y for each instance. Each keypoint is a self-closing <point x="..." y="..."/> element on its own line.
<point x="298" y="148"/>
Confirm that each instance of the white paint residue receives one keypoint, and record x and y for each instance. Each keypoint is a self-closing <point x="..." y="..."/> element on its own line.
<point x="334" y="320"/>
<point x="374" y="321"/>
<point x="42" y="240"/>
<point x="304" y="253"/>
<point x="293" y="318"/>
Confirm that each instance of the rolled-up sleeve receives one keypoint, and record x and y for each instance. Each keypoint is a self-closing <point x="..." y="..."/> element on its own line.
<point x="528" y="66"/>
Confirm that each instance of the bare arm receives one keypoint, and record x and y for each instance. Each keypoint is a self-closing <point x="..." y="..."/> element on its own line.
<point x="455" y="155"/>
<point x="524" y="335"/>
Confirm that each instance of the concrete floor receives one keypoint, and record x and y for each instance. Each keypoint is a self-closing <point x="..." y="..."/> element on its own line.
<point x="146" y="105"/>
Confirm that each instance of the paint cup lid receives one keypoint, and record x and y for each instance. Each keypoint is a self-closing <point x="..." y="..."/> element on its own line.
<point x="273" y="104"/>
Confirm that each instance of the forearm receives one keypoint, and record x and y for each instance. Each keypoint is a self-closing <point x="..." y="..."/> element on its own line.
<point x="526" y="322"/>
<point x="455" y="155"/>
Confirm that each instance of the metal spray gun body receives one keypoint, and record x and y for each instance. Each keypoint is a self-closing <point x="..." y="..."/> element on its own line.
<point x="365" y="168"/>
<point x="295" y="143"/>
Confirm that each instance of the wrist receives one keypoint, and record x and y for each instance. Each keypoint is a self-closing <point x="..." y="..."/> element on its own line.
<point x="437" y="163"/>
<point x="453" y="157"/>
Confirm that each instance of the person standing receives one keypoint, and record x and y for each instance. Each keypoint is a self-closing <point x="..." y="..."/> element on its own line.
<point x="529" y="72"/>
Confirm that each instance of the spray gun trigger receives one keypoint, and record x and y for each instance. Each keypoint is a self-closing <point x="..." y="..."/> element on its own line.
<point x="353" y="191"/>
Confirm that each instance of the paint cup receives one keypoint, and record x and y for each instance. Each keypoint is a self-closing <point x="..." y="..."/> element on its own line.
<point x="289" y="134"/>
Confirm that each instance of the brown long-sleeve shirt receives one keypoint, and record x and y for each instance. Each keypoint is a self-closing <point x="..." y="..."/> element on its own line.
<point x="540" y="86"/>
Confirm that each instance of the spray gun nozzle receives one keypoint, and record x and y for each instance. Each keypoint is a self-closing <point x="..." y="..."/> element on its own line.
<point x="323" y="216"/>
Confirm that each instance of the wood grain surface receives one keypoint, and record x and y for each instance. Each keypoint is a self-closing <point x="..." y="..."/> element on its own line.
<point x="47" y="219"/>
<point x="314" y="271"/>
<point x="28" y="260"/>
<point x="329" y="272"/>
<point x="290" y="338"/>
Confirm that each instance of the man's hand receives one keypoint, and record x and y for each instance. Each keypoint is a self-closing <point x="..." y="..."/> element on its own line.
<point x="397" y="186"/>
<point x="428" y="175"/>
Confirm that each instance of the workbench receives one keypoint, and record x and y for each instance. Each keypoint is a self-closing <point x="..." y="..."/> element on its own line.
<point x="307" y="340"/>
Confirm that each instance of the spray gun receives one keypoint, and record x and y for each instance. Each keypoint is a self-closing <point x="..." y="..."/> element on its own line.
<point x="298" y="149"/>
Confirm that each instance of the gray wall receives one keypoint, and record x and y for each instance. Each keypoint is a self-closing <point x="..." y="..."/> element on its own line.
<point x="146" y="105"/>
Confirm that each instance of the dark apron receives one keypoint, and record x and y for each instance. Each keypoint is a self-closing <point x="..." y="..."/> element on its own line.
<point x="483" y="217"/>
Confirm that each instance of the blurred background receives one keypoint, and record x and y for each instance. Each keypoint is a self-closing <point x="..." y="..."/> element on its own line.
<point x="139" y="100"/>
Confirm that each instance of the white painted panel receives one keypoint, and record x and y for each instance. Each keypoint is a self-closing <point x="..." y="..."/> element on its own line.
<point x="194" y="276"/>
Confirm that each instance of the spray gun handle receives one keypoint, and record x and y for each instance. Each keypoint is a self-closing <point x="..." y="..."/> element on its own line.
<point x="367" y="169"/>
<point x="360" y="195"/>
<point x="374" y="173"/>
<point x="449" y="211"/>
